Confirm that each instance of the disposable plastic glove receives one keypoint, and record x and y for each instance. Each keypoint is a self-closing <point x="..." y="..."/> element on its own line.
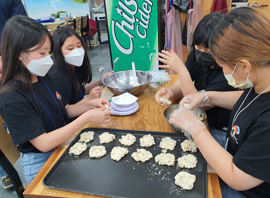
<point x="186" y="120"/>
<point x="196" y="99"/>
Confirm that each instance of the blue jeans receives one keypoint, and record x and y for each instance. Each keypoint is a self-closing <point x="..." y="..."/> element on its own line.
<point x="2" y="172"/>
<point x="228" y="192"/>
<point x="219" y="136"/>
<point x="31" y="164"/>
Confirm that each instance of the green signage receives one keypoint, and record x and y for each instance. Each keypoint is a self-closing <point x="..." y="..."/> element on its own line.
<point x="133" y="33"/>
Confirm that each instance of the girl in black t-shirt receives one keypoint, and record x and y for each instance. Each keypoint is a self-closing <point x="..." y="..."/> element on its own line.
<point x="202" y="69"/>
<point x="72" y="66"/>
<point x="31" y="105"/>
<point x="241" y="46"/>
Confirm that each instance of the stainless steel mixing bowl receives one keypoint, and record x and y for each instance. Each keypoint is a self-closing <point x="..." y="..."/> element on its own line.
<point x="198" y="111"/>
<point x="123" y="81"/>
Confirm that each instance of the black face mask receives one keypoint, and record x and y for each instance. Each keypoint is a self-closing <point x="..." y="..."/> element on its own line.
<point x="204" y="59"/>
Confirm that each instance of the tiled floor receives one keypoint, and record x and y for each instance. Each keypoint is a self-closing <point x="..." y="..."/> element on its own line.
<point x="99" y="57"/>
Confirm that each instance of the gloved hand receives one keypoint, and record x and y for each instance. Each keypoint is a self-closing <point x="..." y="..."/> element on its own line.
<point x="185" y="119"/>
<point x="196" y="99"/>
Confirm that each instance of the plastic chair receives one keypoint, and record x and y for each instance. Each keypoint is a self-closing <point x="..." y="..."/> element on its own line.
<point x="12" y="173"/>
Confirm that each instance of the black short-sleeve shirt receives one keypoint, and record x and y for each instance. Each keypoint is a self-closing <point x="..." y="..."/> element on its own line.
<point x="249" y="140"/>
<point x="64" y="84"/>
<point x="30" y="113"/>
<point x="210" y="80"/>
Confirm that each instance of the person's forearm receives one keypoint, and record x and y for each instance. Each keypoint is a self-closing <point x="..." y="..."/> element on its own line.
<point x="49" y="141"/>
<point x="222" y="162"/>
<point x="224" y="99"/>
<point x="77" y="109"/>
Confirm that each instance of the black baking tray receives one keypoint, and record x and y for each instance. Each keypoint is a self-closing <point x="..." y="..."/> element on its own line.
<point x="126" y="178"/>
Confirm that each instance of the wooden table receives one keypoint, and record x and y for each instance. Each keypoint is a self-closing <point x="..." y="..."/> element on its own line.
<point x="149" y="117"/>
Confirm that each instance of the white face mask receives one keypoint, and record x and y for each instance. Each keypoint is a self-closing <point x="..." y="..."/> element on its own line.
<point x="39" y="67"/>
<point x="231" y="81"/>
<point x="75" y="57"/>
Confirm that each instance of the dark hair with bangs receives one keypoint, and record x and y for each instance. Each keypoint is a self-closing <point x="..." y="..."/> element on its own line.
<point x="204" y="31"/>
<point x="20" y="34"/>
<point x="83" y="74"/>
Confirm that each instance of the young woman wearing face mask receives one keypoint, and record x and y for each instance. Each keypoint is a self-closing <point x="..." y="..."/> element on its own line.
<point x="241" y="46"/>
<point x="201" y="68"/>
<point x="30" y="103"/>
<point x="71" y="70"/>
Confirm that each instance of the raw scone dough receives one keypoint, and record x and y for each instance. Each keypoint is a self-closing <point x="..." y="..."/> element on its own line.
<point x="185" y="180"/>
<point x="107" y="107"/>
<point x="142" y="155"/>
<point x="189" y="145"/>
<point x="78" y="148"/>
<point x="167" y="159"/>
<point x="167" y="143"/>
<point x="127" y="139"/>
<point x="164" y="101"/>
<point x="118" y="153"/>
<point x="106" y="137"/>
<point x="147" y="141"/>
<point x="187" y="161"/>
<point x="97" y="151"/>
<point x="87" y="136"/>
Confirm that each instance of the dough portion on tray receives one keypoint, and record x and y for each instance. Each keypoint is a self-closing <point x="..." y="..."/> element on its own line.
<point x="87" y="136"/>
<point x="118" y="153"/>
<point x="147" y="141"/>
<point x="166" y="159"/>
<point x="127" y="139"/>
<point x="142" y="155"/>
<point x="185" y="180"/>
<point x="167" y="143"/>
<point x="106" y="137"/>
<point x="189" y="145"/>
<point x="187" y="161"/>
<point x="77" y="148"/>
<point x="97" y="151"/>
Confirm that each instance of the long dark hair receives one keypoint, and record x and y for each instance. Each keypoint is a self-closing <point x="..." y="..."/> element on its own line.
<point x="83" y="74"/>
<point x="20" y="34"/>
<point x="204" y="31"/>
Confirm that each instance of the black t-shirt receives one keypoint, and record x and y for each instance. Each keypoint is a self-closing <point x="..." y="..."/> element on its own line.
<point x="210" y="80"/>
<point x="64" y="84"/>
<point x="33" y="112"/>
<point x="249" y="140"/>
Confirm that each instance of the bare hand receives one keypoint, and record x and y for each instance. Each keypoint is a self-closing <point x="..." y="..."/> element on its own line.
<point x="99" y="103"/>
<point x="162" y="93"/>
<point x="95" y="93"/>
<point x="171" y="61"/>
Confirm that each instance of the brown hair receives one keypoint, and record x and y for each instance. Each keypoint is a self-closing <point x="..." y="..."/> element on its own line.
<point x="243" y="33"/>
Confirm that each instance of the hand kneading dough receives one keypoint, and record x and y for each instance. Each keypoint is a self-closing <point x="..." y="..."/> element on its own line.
<point x="142" y="155"/>
<point x="147" y="141"/>
<point x="97" y="151"/>
<point x="106" y="137"/>
<point x="78" y="148"/>
<point x="165" y="159"/>
<point x="87" y="136"/>
<point x="127" y="139"/>
<point x="167" y="143"/>
<point x="185" y="180"/>
<point x="118" y="153"/>
<point x="189" y="145"/>
<point x="187" y="161"/>
<point x="164" y="101"/>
